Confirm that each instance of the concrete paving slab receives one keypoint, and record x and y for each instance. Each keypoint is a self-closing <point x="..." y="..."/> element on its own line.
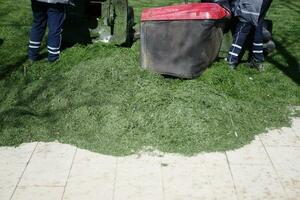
<point x="296" y="125"/>
<point x="20" y="154"/>
<point x="257" y="182"/>
<point x="85" y="156"/>
<point x="139" y="178"/>
<point x="252" y="154"/>
<point x="94" y="174"/>
<point x="198" y="191"/>
<point x="49" y="174"/>
<point x="38" y="193"/>
<point x="287" y="164"/>
<point x="10" y="174"/>
<point x="49" y="165"/>
<point x="281" y="137"/>
<point x="52" y="151"/>
<point x="6" y="192"/>
<point x="183" y="176"/>
<point x="199" y="177"/>
<point x="293" y="193"/>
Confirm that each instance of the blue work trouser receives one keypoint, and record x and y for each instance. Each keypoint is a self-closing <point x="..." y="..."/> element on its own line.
<point x="241" y="33"/>
<point x="54" y="16"/>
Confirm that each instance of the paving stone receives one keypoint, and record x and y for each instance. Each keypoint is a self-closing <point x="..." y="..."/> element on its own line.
<point x="12" y="164"/>
<point x="10" y="174"/>
<point x="252" y="154"/>
<point x="216" y="162"/>
<point x="85" y="156"/>
<point x="293" y="193"/>
<point x="205" y="176"/>
<point x="139" y="178"/>
<point x="49" y="165"/>
<point x="197" y="191"/>
<point x="296" y="126"/>
<point x="257" y="182"/>
<point x="53" y="151"/>
<point x="282" y="137"/>
<point x="287" y="164"/>
<point x="6" y="192"/>
<point x="95" y="178"/>
<point x="20" y="154"/>
<point x="38" y="193"/>
<point x="186" y="179"/>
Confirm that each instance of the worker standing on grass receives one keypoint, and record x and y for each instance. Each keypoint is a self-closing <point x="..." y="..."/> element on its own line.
<point x="250" y="14"/>
<point x="51" y="12"/>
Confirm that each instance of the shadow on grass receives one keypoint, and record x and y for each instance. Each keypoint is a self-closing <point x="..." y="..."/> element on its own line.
<point x="291" y="65"/>
<point x="291" y="5"/>
<point x="20" y="113"/>
<point x="6" y="70"/>
<point x="1" y="41"/>
<point x="36" y="123"/>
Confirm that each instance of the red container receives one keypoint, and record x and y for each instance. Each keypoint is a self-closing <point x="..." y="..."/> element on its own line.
<point x="192" y="11"/>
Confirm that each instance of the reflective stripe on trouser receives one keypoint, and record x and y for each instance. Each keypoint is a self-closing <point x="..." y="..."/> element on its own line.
<point x="240" y="35"/>
<point x="34" y="47"/>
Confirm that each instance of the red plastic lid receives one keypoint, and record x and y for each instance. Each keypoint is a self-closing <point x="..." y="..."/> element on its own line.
<point x="191" y="11"/>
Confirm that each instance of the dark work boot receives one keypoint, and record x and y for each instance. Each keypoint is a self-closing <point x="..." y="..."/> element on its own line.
<point x="257" y="64"/>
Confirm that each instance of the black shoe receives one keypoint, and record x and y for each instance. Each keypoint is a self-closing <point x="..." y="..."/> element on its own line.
<point x="257" y="64"/>
<point x="53" y="61"/>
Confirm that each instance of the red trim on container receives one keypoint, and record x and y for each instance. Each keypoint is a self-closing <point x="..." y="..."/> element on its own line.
<point x="191" y="11"/>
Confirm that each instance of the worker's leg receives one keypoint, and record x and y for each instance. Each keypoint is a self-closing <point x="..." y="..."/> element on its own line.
<point x="240" y="36"/>
<point x="257" y="52"/>
<point x="56" y="17"/>
<point x="39" y="23"/>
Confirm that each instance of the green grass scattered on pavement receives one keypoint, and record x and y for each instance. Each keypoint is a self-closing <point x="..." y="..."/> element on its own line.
<point x="99" y="99"/>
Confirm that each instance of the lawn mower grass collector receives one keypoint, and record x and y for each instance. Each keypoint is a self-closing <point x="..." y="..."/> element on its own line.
<point x="182" y="40"/>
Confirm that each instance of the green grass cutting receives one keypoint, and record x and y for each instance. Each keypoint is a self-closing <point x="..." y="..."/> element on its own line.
<point x="98" y="98"/>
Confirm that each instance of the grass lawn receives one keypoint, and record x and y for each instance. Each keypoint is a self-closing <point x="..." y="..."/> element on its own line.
<point x="98" y="98"/>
